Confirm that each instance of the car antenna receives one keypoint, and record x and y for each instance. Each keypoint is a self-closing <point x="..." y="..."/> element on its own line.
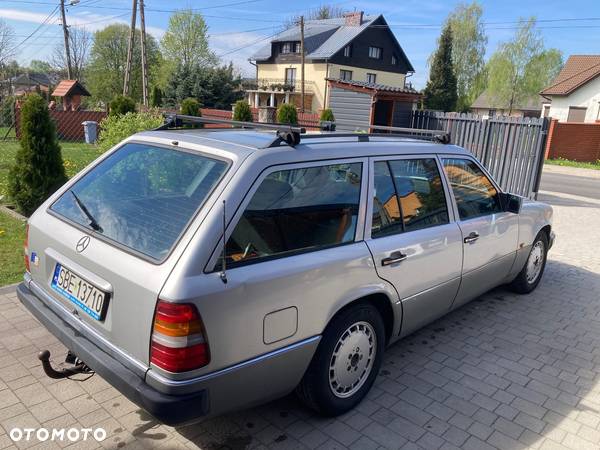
<point x="223" y="274"/>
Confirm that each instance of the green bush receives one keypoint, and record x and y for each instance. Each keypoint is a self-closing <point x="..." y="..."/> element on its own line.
<point x="113" y="129"/>
<point x="242" y="111"/>
<point x="38" y="169"/>
<point x="190" y="107"/>
<point x="121" y="105"/>
<point x="327" y="115"/>
<point x="156" y="97"/>
<point x="287" y="113"/>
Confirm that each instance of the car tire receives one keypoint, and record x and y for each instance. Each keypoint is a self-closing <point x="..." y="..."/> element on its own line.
<point x="346" y="362"/>
<point x="531" y="274"/>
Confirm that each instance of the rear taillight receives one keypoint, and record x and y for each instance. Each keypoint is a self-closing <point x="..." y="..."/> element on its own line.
<point x="178" y="338"/>
<point x="26" y="249"/>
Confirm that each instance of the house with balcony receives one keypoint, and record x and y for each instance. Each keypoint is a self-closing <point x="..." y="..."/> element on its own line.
<point x="356" y="56"/>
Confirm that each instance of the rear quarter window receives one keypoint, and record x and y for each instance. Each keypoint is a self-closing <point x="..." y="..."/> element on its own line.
<point x="143" y="196"/>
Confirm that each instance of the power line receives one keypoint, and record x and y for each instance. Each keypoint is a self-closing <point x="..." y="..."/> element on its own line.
<point x="121" y="8"/>
<point x="44" y="22"/>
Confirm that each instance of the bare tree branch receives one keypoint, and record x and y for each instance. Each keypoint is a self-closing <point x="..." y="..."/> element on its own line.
<point x="7" y="36"/>
<point x="80" y="41"/>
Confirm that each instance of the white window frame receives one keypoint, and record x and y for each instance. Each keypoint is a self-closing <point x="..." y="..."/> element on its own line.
<point x="375" y="52"/>
<point x="344" y="75"/>
<point x="348" y="51"/>
<point x="371" y="75"/>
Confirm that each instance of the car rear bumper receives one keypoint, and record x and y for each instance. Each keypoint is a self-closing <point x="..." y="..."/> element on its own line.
<point x="176" y="402"/>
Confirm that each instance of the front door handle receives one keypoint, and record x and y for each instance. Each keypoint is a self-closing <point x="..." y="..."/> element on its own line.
<point x="393" y="258"/>
<point x="472" y="237"/>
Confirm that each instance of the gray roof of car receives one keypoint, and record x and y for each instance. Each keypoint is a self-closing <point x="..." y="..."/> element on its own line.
<point x="245" y="142"/>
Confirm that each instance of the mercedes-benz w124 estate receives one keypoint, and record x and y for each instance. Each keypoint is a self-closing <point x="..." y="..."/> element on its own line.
<point x="200" y="271"/>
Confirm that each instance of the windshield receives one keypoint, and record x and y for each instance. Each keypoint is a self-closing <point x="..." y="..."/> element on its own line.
<point x="142" y="196"/>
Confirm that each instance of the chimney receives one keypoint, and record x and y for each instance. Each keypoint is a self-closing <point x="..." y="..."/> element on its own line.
<point x="354" y="19"/>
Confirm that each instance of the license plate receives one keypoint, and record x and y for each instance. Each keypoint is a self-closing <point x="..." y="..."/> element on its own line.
<point x="81" y="292"/>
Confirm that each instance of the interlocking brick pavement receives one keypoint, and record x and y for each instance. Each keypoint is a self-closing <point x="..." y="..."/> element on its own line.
<point x="505" y="371"/>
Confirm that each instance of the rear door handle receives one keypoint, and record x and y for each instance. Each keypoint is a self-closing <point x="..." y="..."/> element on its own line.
<point x="393" y="258"/>
<point x="472" y="237"/>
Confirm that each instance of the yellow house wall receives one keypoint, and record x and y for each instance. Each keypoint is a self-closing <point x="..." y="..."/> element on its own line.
<point x="315" y="73"/>
<point x="360" y="74"/>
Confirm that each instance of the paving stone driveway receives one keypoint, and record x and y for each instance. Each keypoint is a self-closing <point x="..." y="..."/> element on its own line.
<point x="504" y="372"/>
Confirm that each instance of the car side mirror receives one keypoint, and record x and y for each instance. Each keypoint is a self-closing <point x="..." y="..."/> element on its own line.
<point x="511" y="202"/>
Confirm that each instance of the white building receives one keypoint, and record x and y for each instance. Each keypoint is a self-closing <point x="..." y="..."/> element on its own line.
<point x="574" y="96"/>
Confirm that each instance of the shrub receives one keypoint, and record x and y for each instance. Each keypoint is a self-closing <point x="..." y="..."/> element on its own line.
<point x="121" y="105"/>
<point x="156" y="97"/>
<point x="38" y="169"/>
<point x="327" y="115"/>
<point x="242" y="111"/>
<point x="287" y="113"/>
<point x="190" y="107"/>
<point x="113" y="129"/>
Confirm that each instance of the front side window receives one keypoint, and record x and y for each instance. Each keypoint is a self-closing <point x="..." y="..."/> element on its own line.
<point x="375" y="52"/>
<point x="474" y="193"/>
<point x="345" y="75"/>
<point x="298" y="210"/>
<point x="421" y="193"/>
<point x="371" y="78"/>
<point x="142" y="196"/>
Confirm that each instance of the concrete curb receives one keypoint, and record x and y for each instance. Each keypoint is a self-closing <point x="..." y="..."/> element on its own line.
<point x="8" y="288"/>
<point x="13" y="213"/>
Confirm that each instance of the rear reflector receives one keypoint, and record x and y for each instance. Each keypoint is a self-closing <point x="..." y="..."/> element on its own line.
<point x="178" y="338"/>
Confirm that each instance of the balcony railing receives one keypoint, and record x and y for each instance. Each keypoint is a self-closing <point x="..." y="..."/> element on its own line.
<point x="278" y="85"/>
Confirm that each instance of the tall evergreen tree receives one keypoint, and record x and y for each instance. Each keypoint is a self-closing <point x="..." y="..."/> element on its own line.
<point x="38" y="169"/>
<point x="440" y="92"/>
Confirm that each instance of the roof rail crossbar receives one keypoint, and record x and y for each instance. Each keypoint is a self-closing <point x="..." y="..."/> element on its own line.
<point x="288" y="134"/>
<point x="438" y="136"/>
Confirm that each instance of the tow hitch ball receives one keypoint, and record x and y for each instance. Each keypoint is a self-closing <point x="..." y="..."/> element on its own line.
<point x="77" y="366"/>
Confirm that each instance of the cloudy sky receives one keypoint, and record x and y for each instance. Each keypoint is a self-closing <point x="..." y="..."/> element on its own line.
<point x="239" y="27"/>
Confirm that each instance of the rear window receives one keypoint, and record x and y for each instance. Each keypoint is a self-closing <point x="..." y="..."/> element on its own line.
<point x="142" y="196"/>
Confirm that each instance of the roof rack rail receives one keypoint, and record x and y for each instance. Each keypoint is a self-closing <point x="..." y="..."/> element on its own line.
<point x="288" y="134"/>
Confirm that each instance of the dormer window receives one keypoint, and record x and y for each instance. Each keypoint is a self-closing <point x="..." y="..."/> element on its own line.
<point x="290" y="47"/>
<point x="375" y="52"/>
<point x="348" y="51"/>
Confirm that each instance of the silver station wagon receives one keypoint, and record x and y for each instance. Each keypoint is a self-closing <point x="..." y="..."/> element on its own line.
<point x="204" y="270"/>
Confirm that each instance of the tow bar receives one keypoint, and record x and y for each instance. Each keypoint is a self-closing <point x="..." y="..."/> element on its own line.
<point x="78" y="366"/>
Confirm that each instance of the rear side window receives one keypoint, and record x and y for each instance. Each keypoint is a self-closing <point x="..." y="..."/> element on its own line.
<point x="409" y="196"/>
<point x="142" y="196"/>
<point x="474" y="193"/>
<point x="298" y="210"/>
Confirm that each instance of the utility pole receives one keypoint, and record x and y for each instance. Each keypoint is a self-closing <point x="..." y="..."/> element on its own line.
<point x="66" y="36"/>
<point x="302" y="63"/>
<point x="144" y="56"/>
<point x="130" y="48"/>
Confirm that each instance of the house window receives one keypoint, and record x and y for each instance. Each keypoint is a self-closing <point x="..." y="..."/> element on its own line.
<point x="492" y="113"/>
<point x="576" y="114"/>
<point x="290" y="77"/>
<point x="348" y="51"/>
<point x="371" y="78"/>
<point x="375" y="52"/>
<point x="546" y="111"/>
<point x="345" y="75"/>
<point x="290" y="47"/>
<point x="394" y="60"/>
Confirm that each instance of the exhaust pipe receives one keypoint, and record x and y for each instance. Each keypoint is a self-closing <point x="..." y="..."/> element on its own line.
<point x="44" y="357"/>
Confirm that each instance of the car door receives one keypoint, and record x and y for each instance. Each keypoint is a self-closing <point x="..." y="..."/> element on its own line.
<point x="490" y="235"/>
<point x="412" y="235"/>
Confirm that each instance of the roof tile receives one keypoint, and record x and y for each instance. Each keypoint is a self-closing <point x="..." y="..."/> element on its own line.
<point x="578" y="70"/>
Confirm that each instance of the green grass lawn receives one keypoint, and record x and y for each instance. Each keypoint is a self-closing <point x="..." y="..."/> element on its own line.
<point x="569" y="163"/>
<point x="12" y="235"/>
<point x="76" y="156"/>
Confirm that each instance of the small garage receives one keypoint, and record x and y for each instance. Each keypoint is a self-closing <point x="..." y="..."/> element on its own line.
<point x="357" y="104"/>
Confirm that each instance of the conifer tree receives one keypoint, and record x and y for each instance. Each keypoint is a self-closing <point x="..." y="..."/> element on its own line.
<point x="38" y="169"/>
<point x="440" y="92"/>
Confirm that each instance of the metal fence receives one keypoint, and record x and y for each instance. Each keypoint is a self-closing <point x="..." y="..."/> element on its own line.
<point x="511" y="148"/>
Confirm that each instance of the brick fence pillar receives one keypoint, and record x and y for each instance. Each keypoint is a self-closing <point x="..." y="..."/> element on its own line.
<point x="551" y="131"/>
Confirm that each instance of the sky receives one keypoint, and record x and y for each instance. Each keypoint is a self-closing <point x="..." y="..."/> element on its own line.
<point x="237" y="28"/>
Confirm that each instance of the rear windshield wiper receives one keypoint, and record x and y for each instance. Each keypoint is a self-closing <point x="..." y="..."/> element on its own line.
<point x="93" y="223"/>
